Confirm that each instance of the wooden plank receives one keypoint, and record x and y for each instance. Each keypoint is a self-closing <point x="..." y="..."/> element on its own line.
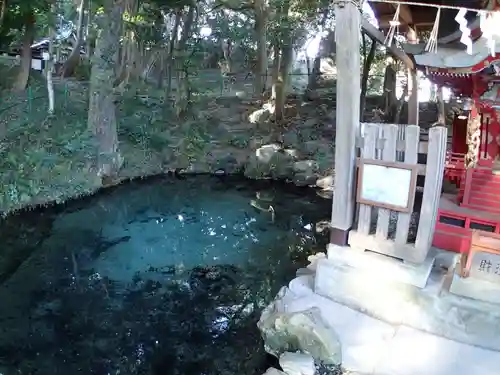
<point x="480" y="206"/>
<point x="400" y="144"/>
<point x="485" y="184"/>
<point x="369" y="152"/>
<point x="390" y="134"/>
<point x="393" y="49"/>
<point x="420" y="167"/>
<point x="432" y="190"/>
<point x="422" y="146"/>
<point x="468" y="185"/>
<point x="411" y="157"/>
<point x="361" y="241"/>
<point x="486" y="191"/>
<point x="404" y="13"/>
<point x="347" y="31"/>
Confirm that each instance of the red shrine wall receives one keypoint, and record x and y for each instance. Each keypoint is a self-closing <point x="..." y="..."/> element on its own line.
<point x="459" y="136"/>
<point x="486" y="97"/>
<point x="489" y="150"/>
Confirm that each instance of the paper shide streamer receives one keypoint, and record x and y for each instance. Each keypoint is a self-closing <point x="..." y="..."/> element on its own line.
<point x="490" y="24"/>
<point x="465" y="38"/>
<point x="489" y="28"/>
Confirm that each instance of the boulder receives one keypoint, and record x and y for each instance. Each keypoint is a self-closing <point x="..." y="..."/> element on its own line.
<point x="305" y="331"/>
<point x="297" y="363"/>
<point x="229" y="164"/>
<point x="305" y="172"/>
<point x="260" y="116"/>
<point x="326" y="183"/>
<point x="291" y="138"/>
<point x="269" y="161"/>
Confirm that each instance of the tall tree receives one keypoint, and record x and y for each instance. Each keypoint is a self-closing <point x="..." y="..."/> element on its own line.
<point x="101" y="115"/>
<point x="22" y="79"/>
<point x="74" y="58"/>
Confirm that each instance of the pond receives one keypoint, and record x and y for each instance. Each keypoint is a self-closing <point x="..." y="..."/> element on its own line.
<point x="163" y="276"/>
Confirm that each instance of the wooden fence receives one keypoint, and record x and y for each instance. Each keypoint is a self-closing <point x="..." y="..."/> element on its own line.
<point x="386" y="142"/>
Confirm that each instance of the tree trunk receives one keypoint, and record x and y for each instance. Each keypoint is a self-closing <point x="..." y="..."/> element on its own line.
<point x="171" y="51"/>
<point x="126" y="60"/>
<point x="283" y="78"/>
<point x="50" y="65"/>
<point x="102" y="116"/>
<point x="281" y="82"/>
<point x="183" y="91"/>
<point x="432" y="92"/>
<point x="367" y="64"/>
<point x="316" y="68"/>
<point x="3" y="11"/>
<point x="276" y="69"/>
<point x="24" y="73"/>
<point x="440" y="104"/>
<point x="400" y="104"/>
<point x="74" y="58"/>
<point x="261" y="66"/>
<point x="227" y="48"/>
<point x="390" y="98"/>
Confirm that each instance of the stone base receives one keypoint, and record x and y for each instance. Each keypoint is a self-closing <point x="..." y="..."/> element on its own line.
<point x="381" y="267"/>
<point x="371" y="346"/>
<point x="474" y="288"/>
<point x="339" y="237"/>
<point x="432" y="309"/>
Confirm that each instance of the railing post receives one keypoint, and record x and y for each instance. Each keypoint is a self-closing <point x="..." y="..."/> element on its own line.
<point x="347" y="30"/>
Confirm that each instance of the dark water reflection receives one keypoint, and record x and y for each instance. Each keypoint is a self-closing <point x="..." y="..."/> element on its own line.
<point x="162" y="277"/>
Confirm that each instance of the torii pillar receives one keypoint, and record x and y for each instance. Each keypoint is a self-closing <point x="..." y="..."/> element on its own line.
<point x="347" y="39"/>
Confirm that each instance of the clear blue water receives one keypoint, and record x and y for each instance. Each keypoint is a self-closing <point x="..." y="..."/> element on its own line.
<point x="164" y="276"/>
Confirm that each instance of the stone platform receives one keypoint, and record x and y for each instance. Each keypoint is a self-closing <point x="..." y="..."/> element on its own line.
<point x="483" y="282"/>
<point x="477" y="289"/>
<point x="383" y="267"/>
<point x="373" y="347"/>
<point x="397" y="293"/>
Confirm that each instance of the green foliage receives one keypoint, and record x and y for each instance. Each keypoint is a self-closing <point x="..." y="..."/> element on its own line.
<point x="82" y="71"/>
<point x="44" y="156"/>
<point x="60" y="155"/>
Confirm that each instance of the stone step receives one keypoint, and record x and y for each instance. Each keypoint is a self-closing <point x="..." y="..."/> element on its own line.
<point x="432" y="309"/>
<point x="383" y="267"/>
<point x="474" y="288"/>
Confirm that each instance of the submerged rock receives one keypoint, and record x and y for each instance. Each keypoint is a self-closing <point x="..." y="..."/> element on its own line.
<point x="297" y="363"/>
<point x="271" y="371"/>
<point x="304" y="330"/>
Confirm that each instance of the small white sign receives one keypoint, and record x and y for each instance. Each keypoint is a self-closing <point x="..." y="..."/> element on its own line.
<point x="36" y="64"/>
<point x="387" y="185"/>
<point x="46" y="56"/>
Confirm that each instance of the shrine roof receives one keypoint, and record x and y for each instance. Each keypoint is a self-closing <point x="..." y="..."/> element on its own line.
<point x="423" y="17"/>
<point x="455" y="58"/>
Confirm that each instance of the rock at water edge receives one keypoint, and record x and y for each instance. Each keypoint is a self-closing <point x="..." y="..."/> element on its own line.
<point x="297" y="363"/>
<point x="305" y="331"/>
<point x="274" y="371"/>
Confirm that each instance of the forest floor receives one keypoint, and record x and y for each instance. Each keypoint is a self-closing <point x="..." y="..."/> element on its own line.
<point x="47" y="159"/>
